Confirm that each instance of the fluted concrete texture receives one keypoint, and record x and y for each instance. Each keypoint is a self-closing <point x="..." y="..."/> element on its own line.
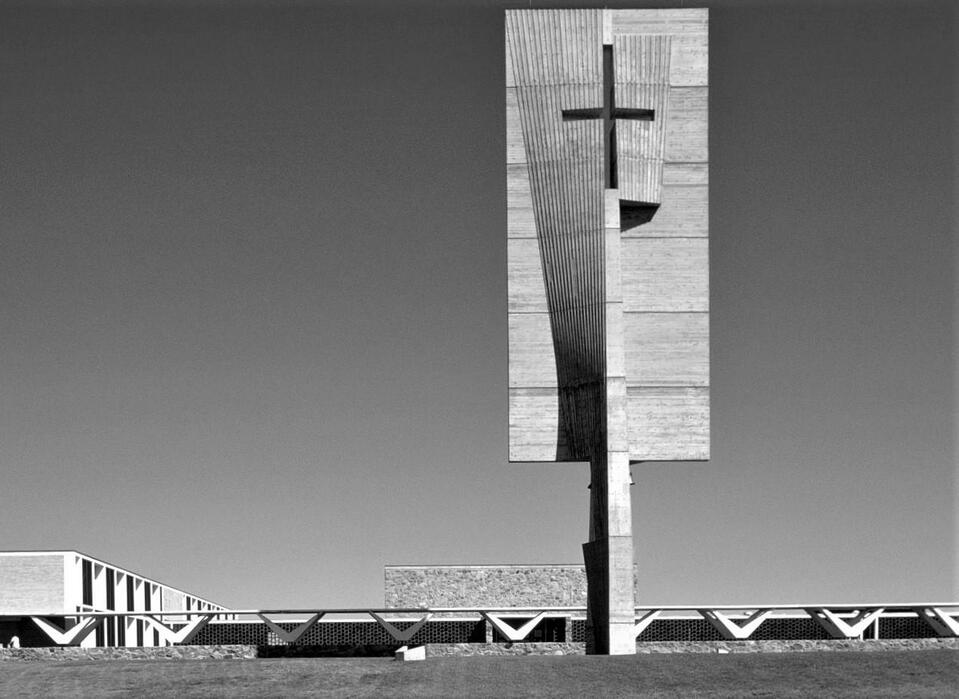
<point x="556" y="254"/>
<point x="608" y="326"/>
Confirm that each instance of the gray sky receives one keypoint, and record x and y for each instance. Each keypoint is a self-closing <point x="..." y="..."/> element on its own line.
<point x="253" y="275"/>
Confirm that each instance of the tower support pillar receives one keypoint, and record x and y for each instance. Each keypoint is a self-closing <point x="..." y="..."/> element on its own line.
<point x="608" y="555"/>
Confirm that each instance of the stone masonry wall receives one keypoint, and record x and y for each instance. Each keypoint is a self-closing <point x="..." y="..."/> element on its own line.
<point x="74" y="653"/>
<point x="435" y="650"/>
<point x="245" y="652"/>
<point x="485" y="586"/>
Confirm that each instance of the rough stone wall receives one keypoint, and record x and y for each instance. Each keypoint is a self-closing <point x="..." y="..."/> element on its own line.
<point x="485" y="586"/>
<point x="31" y="583"/>
<point x="237" y="652"/>
<point x="74" y="653"/>
<point x="817" y="646"/>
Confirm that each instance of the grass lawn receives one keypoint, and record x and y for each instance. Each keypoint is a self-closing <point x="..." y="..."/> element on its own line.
<point x="887" y="673"/>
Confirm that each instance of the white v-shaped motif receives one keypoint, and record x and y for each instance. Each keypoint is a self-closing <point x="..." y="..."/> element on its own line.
<point x="645" y="621"/>
<point x="733" y="630"/>
<point x="940" y="620"/>
<point x="840" y="628"/>
<point x="72" y="636"/>
<point x="182" y="635"/>
<point x="513" y="634"/>
<point x="401" y="635"/>
<point x="293" y="635"/>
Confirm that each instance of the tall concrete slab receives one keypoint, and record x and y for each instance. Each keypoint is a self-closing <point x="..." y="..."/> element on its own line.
<point x="607" y="198"/>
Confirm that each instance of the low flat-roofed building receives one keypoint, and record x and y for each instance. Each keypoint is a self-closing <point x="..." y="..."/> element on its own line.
<point x="472" y="604"/>
<point x="60" y="583"/>
<point x="494" y="586"/>
<point x="532" y="586"/>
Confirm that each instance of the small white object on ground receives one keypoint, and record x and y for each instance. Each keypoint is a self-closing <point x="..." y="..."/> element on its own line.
<point x="407" y="653"/>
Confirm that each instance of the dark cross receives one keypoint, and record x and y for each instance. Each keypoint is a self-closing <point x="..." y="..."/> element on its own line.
<point x="609" y="113"/>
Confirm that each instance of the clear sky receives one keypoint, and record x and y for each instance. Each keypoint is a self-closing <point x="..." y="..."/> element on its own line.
<point x="253" y="303"/>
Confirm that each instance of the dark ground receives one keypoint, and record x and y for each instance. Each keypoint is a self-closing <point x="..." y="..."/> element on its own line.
<point x="930" y="673"/>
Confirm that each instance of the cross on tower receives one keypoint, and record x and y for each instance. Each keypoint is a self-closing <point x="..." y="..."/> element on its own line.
<point x="609" y="113"/>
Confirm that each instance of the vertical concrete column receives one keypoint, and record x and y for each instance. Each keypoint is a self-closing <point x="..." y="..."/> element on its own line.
<point x="609" y="553"/>
<point x="121" y="605"/>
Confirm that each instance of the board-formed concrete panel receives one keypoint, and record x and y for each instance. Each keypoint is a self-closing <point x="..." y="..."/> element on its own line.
<point x="557" y="254"/>
<point x="527" y="290"/>
<point x="669" y="423"/>
<point x="665" y="275"/>
<point x="31" y="582"/>
<point x="667" y="349"/>
<point x="687" y="132"/>
<point x="608" y="263"/>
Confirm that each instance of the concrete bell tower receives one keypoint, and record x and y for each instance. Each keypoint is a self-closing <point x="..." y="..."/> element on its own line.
<point x="607" y="196"/>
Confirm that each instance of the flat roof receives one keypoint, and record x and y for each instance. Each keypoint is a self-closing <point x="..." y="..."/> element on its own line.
<point x="126" y="571"/>
<point x="492" y="565"/>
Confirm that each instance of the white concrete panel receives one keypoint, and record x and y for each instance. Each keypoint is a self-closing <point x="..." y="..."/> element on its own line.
<point x="534" y="433"/>
<point x="666" y="274"/>
<point x="668" y="424"/>
<point x="525" y="286"/>
<point x="667" y="349"/>
<point x="532" y="362"/>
